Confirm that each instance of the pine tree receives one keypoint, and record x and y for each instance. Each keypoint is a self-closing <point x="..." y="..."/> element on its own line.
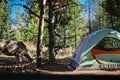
<point x="4" y="20"/>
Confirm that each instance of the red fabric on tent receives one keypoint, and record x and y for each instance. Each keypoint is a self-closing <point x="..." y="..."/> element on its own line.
<point x="97" y="51"/>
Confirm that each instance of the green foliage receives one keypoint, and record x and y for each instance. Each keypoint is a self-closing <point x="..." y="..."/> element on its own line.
<point x="101" y="18"/>
<point x="112" y="7"/>
<point x="69" y="23"/>
<point x="4" y="20"/>
<point x="30" y="32"/>
<point x="69" y="20"/>
<point x="106" y="13"/>
<point x="108" y="43"/>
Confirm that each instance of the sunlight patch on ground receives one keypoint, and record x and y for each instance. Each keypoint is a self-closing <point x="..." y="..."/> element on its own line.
<point x="65" y="53"/>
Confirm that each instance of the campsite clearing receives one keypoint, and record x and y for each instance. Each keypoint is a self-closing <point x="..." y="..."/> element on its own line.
<point x="98" y="48"/>
<point x="60" y="68"/>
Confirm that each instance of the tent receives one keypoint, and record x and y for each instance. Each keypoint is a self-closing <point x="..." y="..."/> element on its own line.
<point x="98" y="50"/>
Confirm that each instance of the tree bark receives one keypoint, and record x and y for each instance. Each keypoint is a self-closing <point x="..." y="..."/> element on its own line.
<point x="111" y="22"/>
<point x="40" y="31"/>
<point x="89" y="12"/>
<point x="51" y="31"/>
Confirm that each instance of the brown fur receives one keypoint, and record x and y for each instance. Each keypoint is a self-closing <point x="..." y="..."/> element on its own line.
<point x="14" y="48"/>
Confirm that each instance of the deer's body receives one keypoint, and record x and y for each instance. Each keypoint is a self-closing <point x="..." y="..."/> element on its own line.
<point x="14" y="48"/>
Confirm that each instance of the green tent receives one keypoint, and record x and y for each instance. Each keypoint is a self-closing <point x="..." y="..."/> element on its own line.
<point x="106" y="55"/>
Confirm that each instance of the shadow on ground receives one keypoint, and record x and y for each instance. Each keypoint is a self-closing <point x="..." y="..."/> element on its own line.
<point x="59" y="65"/>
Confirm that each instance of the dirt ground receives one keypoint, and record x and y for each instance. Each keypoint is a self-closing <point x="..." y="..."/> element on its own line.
<point x="50" y="71"/>
<point x="57" y="68"/>
<point x="60" y="68"/>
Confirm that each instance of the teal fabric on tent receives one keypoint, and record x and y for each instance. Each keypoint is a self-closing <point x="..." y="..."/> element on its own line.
<point x="83" y="58"/>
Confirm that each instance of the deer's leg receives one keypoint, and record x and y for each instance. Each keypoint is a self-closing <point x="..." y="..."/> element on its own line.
<point x="28" y="57"/>
<point x="19" y="60"/>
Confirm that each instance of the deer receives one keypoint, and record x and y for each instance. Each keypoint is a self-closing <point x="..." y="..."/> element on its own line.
<point x="17" y="49"/>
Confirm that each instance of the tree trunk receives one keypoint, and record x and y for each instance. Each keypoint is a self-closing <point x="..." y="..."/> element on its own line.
<point x="111" y="22"/>
<point x="64" y="39"/>
<point x="40" y="32"/>
<point x="89" y="12"/>
<point x="51" y="32"/>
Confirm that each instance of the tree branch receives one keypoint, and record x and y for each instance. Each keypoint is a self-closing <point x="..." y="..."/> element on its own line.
<point x="24" y="6"/>
<point x="67" y="5"/>
<point x="31" y="11"/>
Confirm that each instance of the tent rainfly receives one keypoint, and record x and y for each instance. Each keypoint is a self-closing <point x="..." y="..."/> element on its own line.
<point x="98" y="50"/>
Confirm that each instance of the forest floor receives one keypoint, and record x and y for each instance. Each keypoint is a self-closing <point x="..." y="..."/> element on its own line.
<point x="60" y="68"/>
<point x="57" y="68"/>
<point x="55" y="71"/>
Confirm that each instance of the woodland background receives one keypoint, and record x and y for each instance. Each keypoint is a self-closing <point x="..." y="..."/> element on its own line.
<point x="57" y="26"/>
